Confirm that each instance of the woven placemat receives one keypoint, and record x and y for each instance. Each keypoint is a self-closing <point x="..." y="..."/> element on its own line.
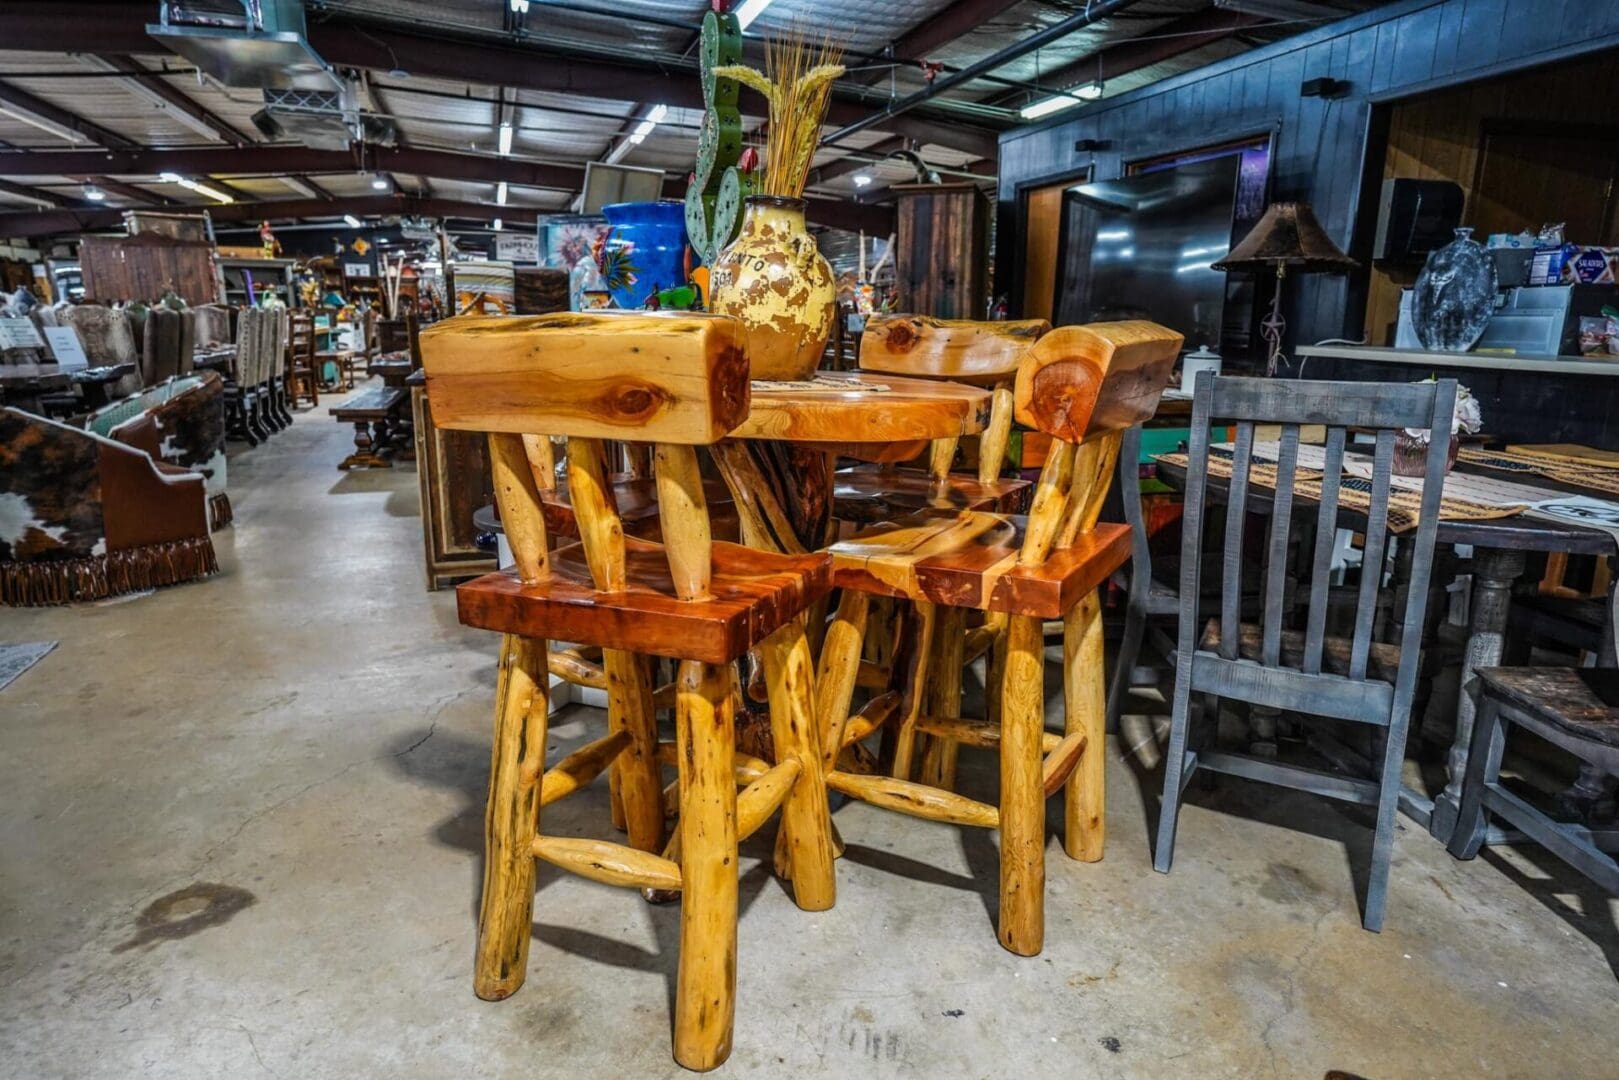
<point x="1405" y="505"/>
<point x="1562" y="469"/>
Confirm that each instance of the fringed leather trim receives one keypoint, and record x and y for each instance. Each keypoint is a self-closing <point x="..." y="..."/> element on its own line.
<point x="219" y="511"/>
<point x="95" y="577"/>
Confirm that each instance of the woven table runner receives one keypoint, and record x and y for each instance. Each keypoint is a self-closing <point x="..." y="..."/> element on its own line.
<point x="1354" y="491"/>
<point x="1596" y="474"/>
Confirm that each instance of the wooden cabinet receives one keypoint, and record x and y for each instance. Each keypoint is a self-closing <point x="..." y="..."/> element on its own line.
<point x="453" y="468"/>
<point x="942" y="252"/>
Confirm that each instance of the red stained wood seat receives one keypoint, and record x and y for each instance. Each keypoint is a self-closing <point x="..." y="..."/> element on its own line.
<point x="970" y="560"/>
<point x="754" y="593"/>
<point x="871" y="493"/>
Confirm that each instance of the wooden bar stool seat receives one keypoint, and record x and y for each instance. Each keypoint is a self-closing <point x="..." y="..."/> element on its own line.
<point x="675" y="381"/>
<point x="981" y="353"/>
<point x="753" y="594"/>
<point x="1083" y="386"/>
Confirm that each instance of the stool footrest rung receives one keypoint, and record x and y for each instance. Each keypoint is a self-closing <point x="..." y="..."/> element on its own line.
<point x="756" y="802"/>
<point x="609" y="863"/>
<point x="871" y="716"/>
<point x="917" y="800"/>
<point x="979" y="733"/>
<point x="1060" y="762"/>
<point x="581" y="767"/>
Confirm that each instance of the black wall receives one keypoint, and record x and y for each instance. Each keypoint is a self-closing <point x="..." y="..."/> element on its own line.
<point x="1320" y="149"/>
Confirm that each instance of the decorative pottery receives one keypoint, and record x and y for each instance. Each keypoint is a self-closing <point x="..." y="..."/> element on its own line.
<point x="1454" y="295"/>
<point x="645" y="251"/>
<point x="1411" y="454"/>
<point x="773" y="280"/>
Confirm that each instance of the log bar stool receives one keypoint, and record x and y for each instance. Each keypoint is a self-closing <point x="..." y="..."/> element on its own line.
<point x="1083" y="385"/>
<point x="959" y="350"/>
<point x="676" y="381"/>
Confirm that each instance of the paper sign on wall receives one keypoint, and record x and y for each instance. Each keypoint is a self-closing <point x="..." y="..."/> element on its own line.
<point x="517" y="247"/>
<point x="66" y="346"/>
<point x="356" y="269"/>
<point x="19" y="334"/>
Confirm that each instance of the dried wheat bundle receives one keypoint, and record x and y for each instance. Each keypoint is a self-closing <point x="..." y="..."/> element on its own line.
<point x="797" y="84"/>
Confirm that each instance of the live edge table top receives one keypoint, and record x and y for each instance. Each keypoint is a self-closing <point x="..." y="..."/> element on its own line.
<point x="851" y="408"/>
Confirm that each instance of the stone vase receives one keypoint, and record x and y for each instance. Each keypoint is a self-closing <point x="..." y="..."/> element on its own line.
<point x="773" y="280"/>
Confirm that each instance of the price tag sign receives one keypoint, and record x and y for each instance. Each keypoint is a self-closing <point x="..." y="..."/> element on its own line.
<point x="19" y="334"/>
<point x="66" y="346"/>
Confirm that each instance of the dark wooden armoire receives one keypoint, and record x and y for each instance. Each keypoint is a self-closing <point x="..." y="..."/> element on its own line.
<point x="942" y="250"/>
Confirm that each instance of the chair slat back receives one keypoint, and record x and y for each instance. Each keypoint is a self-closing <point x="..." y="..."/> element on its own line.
<point x="966" y="350"/>
<point x="1383" y="408"/>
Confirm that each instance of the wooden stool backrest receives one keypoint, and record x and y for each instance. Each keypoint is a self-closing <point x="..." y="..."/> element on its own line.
<point x="962" y="350"/>
<point x="677" y="380"/>
<point x="1085" y="386"/>
<point x="965" y="350"/>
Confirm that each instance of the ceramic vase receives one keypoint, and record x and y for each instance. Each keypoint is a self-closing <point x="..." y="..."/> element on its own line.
<point x="773" y="280"/>
<point x="645" y="251"/>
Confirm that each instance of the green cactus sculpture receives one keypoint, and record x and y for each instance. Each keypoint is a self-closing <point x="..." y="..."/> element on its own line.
<point x="714" y="200"/>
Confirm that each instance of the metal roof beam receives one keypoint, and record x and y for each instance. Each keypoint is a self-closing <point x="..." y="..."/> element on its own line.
<point x="15" y="99"/>
<point x="156" y="89"/>
<point x="40" y="195"/>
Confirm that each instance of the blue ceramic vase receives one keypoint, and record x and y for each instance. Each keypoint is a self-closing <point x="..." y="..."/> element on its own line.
<point x="646" y="250"/>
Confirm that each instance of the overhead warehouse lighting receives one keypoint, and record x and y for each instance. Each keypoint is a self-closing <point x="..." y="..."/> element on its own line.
<point x="500" y="193"/>
<point x="1066" y="100"/>
<point x="192" y="185"/>
<point x="505" y="137"/>
<point x="635" y="138"/>
<point x="93" y="193"/>
<point x="749" y="10"/>
<point x="519" y="6"/>
<point x="861" y="179"/>
<point x="351" y="221"/>
<point x="380" y="183"/>
<point x="499" y="224"/>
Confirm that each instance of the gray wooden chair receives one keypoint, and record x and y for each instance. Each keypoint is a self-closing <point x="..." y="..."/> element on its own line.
<point x="1576" y="709"/>
<point x="1305" y="672"/>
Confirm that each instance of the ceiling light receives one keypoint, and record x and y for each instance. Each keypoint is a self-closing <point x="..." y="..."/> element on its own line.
<point x="351" y="221"/>
<point x="638" y="134"/>
<point x="379" y="183"/>
<point x="861" y="179"/>
<point x="191" y="185"/>
<point x="498" y="224"/>
<point x="749" y="10"/>
<point x="500" y="193"/>
<point x="519" y="6"/>
<point x="1065" y="100"/>
<point x="93" y="193"/>
<point x="382" y="240"/>
<point x="505" y="138"/>
<point x="169" y="178"/>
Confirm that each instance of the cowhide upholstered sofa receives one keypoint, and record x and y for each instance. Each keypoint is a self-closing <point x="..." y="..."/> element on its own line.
<point x="180" y="422"/>
<point x="84" y="517"/>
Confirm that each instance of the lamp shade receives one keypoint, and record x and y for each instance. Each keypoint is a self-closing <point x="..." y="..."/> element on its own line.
<point x="1288" y="235"/>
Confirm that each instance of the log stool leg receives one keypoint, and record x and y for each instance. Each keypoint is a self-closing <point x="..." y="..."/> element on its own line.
<point x="949" y="646"/>
<point x="1023" y="802"/>
<point x="705" y="992"/>
<point x="639" y="788"/>
<point x="916" y="690"/>
<point x="806" y="822"/>
<point x="512" y="819"/>
<point x="837" y="671"/>
<point x="1085" y="709"/>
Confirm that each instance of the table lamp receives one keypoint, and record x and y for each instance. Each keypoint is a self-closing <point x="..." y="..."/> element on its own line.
<point x="1287" y="236"/>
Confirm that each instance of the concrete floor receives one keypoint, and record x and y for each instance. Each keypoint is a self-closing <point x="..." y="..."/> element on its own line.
<point x="241" y="832"/>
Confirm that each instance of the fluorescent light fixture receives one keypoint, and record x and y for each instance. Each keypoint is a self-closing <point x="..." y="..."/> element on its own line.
<point x="47" y="126"/>
<point x="93" y="193"/>
<point x="191" y="185"/>
<point x="638" y="135"/>
<point x="382" y="240"/>
<point x="861" y="179"/>
<point x="1113" y="234"/>
<point x="1065" y="100"/>
<point x="749" y="10"/>
<point x="379" y="183"/>
<point x="505" y="137"/>
<point x="351" y="221"/>
<point x="500" y="193"/>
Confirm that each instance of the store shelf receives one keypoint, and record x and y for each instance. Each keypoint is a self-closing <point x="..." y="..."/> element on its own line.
<point x="1423" y="358"/>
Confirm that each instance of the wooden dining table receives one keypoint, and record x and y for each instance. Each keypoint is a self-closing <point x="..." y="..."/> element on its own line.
<point x="1499" y="556"/>
<point x="22" y="384"/>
